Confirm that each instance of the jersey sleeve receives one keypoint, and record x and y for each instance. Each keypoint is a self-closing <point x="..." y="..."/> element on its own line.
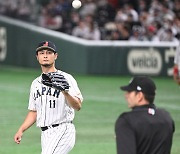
<point x="74" y="89"/>
<point x="125" y="137"/>
<point x="31" y="105"/>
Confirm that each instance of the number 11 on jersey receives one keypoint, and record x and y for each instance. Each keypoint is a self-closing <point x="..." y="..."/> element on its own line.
<point x="52" y="103"/>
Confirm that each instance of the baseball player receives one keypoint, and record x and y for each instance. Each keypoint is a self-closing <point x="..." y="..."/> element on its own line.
<point x="145" y="129"/>
<point x="176" y="68"/>
<point x="54" y="96"/>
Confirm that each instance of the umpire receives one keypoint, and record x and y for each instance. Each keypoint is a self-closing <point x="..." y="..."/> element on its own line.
<point x="146" y="129"/>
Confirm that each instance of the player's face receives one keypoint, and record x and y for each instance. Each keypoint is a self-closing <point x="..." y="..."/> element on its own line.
<point x="46" y="58"/>
<point x="132" y="98"/>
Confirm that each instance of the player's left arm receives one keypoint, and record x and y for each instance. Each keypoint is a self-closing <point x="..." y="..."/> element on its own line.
<point x="73" y="95"/>
<point x="73" y="101"/>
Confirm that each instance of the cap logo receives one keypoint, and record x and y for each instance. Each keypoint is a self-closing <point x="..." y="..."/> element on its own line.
<point x="45" y="44"/>
<point x="139" y="88"/>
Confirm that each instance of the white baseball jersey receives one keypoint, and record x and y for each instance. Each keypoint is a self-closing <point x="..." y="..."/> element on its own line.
<point x="50" y="104"/>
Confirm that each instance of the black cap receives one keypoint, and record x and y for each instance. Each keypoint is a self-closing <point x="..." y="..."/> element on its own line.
<point x="46" y="45"/>
<point x="141" y="83"/>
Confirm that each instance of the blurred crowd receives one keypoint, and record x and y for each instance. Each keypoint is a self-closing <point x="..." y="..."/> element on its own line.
<point x="141" y="20"/>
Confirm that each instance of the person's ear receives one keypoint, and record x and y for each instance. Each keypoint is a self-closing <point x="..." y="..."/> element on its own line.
<point x="37" y="58"/>
<point x="56" y="56"/>
<point x="140" y="96"/>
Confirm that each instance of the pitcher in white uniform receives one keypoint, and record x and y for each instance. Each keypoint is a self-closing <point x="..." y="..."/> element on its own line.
<point x="52" y="109"/>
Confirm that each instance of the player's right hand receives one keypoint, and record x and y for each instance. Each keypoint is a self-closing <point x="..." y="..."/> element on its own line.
<point x="17" y="137"/>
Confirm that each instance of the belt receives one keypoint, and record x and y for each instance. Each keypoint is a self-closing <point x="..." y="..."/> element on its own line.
<point x="54" y="125"/>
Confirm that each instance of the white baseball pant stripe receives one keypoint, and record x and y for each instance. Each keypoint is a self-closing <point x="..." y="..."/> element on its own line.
<point x="58" y="140"/>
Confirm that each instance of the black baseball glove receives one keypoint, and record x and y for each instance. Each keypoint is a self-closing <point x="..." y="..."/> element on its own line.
<point x="55" y="80"/>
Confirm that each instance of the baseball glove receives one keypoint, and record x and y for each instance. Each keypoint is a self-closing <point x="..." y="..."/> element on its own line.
<point x="55" y="80"/>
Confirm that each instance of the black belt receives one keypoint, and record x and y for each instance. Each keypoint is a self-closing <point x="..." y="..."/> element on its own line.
<point x="54" y="125"/>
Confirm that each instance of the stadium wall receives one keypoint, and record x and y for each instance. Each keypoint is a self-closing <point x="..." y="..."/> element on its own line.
<point x="18" y="41"/>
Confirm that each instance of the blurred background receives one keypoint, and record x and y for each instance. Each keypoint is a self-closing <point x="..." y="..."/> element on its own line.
<point x="120" y="37"/>
<point x="153" y="20"/>
<point x="102" y="44"/>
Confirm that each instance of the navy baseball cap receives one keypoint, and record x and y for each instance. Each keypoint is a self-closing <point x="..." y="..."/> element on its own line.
<point x="141" y="83"/>
<point x="46" y="45"/>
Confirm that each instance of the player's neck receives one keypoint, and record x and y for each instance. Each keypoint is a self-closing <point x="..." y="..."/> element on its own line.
<point x="48" y="69"/>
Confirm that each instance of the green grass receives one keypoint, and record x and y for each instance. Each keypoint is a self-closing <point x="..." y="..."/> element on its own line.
<point x="103" y="103"/>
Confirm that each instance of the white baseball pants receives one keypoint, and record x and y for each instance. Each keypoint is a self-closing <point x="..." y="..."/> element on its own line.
<point x="58" y="140"/>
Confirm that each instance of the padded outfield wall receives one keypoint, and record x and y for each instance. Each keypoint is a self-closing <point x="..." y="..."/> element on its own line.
<point x="18" y="41"/>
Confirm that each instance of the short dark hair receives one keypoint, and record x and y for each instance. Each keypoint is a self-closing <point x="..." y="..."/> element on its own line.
<point x="149" y="98"/>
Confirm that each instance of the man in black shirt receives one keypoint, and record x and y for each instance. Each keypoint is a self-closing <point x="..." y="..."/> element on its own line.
<point x="146" y="129"/>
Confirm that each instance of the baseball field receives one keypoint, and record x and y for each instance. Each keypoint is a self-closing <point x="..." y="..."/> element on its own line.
<point x="103" y="103"/>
